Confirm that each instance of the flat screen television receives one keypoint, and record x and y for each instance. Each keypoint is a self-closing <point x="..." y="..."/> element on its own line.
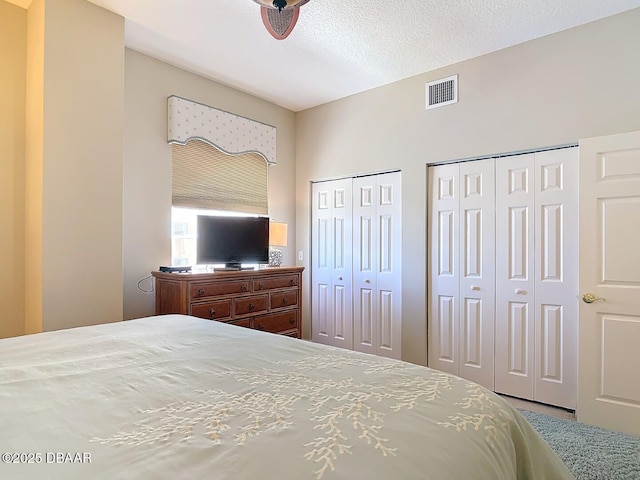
<point x="232" y="240"/>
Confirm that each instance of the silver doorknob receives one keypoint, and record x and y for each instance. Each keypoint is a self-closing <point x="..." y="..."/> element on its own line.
<point x="475" y="288"/>
<point x="590" y="298"/>
<point x="518" y="291"/>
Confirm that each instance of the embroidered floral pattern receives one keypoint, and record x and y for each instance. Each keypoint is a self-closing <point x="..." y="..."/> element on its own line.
<point x="339" y="408"/>
<point x="479" y="416"/>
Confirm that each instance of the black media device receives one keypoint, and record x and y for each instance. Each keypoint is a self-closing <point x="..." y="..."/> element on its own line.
<point x="232" y="240"/>
<point x="175" y="269"/>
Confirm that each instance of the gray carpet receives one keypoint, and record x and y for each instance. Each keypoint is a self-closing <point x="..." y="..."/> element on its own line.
<point x="591" y="453"/>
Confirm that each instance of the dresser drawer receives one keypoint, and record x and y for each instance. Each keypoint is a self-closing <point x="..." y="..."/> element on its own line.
<point x="277" y="322"/>
<point x="283" y="299"/>
<point x="216" y="310"/>
<point x="250" y="305"/>
<point x="245" y="322"/>
<point x="200" y="290"/>
<point x="260" y="284"/>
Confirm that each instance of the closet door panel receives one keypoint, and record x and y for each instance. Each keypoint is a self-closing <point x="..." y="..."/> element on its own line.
<point x="331" y="263"/>
<point x="472" y="337"/>
<point x="477" y="271"/>
<point x="389" y="326"/>
<point x="365" y="263"/>
<point x="377" y="272"/>
<point x="321" y="331"/>
<point x="341" y="328"/>
<point x="443" y="268"/>
<point x="322" y="253"/>
<point x="519" y="340"/>
<point x="556" y="313"/>
<point x="341" y="272"/>
<point x="389" y="274"/>
<point x="515" y="282"/>
<point x="444" y="339"/>
<point x="364" y="319"/>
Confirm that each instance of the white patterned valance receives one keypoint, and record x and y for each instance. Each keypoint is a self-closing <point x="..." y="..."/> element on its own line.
<point x="230" y="133"/>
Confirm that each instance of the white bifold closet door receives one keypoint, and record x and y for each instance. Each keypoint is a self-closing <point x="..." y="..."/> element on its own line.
<point x="461" y="270"/>
<point x="537" y="276"/>
<point x="503" y="266"/>
<point x="377" y="256"/>
<point x="356" y="271"/>
<point x="331" y="250"/>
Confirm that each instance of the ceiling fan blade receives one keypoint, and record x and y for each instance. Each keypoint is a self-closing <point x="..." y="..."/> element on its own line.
<point x="280" y="23"/>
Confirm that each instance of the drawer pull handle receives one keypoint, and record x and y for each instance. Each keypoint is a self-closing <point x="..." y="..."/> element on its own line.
<point x="201" y="292"/>
<point x="260" y="286"/>
<point x="212" y="312"/>
<point x="243" y="288"/>
<point x="284" y="301"/>
<point x="292" y="282"/>
<point x="292" y="320"/>
<point x="252" y="307"/>
<point x="260" y="327"/>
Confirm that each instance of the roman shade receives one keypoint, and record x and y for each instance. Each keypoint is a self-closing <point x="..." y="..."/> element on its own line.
<point x="205" y="177"/>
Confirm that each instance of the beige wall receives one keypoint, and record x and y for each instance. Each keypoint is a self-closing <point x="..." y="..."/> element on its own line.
<point x="13" y="55"/>
<point x="34" y="148"/>
<point x="147" y="165"/>
<point x="83" y="149"/>
<point x="555" y="90"/>
<point x="73" y="164"/>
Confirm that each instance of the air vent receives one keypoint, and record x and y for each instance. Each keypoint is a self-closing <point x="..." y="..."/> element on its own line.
<point x="442" y="92"/>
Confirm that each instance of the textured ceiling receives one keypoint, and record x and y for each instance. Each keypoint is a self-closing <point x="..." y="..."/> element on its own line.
<point x="338" y="48"/>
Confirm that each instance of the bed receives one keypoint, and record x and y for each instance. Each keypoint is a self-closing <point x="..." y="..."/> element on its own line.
<point x="179" y="397"/>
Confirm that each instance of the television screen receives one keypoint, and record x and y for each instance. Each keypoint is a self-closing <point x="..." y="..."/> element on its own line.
<point x="232" y="240"/>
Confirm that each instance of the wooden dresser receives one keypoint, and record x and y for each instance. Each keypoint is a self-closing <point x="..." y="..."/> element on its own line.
<point x="267" y="299"/>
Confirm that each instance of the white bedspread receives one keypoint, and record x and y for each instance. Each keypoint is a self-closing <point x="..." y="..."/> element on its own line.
<point x="177" y="397"/>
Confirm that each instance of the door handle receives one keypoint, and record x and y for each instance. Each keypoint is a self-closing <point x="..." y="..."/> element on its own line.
<point x="590" y="298"/>
<point x="520" y="292"/>
<point x="475" y="288"/>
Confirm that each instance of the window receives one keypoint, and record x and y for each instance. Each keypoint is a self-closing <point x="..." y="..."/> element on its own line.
<point x="207" y="181"/>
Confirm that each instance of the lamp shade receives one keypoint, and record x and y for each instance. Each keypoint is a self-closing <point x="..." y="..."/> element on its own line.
<point x="277" y="234"/>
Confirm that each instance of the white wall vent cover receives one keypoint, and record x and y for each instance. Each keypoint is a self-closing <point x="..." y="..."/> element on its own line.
<point x="442" y="92"/>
